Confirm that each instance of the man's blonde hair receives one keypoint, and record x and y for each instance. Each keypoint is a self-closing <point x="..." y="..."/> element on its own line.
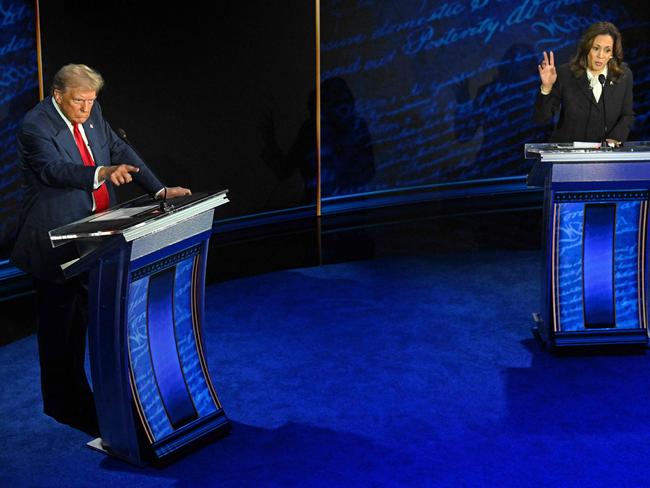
<point x="77" y="76"/>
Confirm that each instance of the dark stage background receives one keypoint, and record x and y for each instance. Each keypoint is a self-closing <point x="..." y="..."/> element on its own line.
<point x="415" y="94"/>
<point x="191" y="84"/>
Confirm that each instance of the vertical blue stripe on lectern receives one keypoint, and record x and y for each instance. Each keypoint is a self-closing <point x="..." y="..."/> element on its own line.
<point x="164" y="355"/>
<point x="187" y="341"/>
<point x="140" y="361"/>
<point x="626" y="268"/>
<point x="598" y="265"/>
<point x="569" y="269"/>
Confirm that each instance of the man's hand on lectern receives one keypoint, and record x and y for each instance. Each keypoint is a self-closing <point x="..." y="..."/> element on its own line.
<point x="174" y="191"/>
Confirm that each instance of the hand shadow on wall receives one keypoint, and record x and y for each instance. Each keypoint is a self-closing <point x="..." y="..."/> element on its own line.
<point x="503" y="108"/>
<point x="347" y="160"/>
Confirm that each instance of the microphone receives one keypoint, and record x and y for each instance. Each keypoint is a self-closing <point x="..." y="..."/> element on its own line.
<point x="602" y="80"/>
<point x="164" y="206"/>
<point x="122" y="134"/>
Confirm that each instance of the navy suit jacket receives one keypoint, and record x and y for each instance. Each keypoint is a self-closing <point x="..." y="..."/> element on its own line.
<point x="581" y="117"/>
<point x="58" y="187"/>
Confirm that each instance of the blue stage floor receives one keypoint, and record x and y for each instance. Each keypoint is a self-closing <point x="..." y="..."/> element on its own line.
<point x="398" y="371"/>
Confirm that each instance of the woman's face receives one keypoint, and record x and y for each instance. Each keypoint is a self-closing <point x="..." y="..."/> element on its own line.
<point x="602" y="50"/>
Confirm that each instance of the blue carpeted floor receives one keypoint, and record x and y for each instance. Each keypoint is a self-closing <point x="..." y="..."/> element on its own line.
<point x="412" y="371"/>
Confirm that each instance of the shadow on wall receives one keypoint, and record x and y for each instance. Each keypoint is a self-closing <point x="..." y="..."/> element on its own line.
<point x="347" y="160"/>
<point x="503" y="109"/>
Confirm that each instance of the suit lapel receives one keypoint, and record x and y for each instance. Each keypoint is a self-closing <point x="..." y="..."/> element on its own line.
<point x="91" y="135"/>
<point x="606" y="93"/>
<point x="63" y="136"/>
<point x="585" y="89"/>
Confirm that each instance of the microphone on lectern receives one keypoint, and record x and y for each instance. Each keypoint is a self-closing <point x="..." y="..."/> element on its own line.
<point x="122" y="135"/>
<point x="602" y="80"/>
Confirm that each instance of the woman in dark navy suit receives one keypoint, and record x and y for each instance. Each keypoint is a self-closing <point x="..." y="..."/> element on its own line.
<point x="594" y="85"/>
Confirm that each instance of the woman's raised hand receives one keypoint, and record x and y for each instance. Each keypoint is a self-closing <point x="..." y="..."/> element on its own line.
<point x="547" y="73"/>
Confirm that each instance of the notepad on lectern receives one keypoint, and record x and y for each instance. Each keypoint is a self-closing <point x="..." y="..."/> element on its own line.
<point x="586" y="145"/>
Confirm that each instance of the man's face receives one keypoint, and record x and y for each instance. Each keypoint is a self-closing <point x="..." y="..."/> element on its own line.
<point x="76" y="103"/>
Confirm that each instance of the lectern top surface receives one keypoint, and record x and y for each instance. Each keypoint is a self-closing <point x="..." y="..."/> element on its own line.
<point x="140" y="213"/>
<point x="587" y="152"/>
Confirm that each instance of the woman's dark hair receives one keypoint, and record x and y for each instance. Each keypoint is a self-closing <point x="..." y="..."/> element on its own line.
<point x="579" y="61"/>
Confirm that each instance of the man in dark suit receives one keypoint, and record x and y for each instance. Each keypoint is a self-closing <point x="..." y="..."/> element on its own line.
<point x="70" y="159"/>
<point x="576" y="90"/>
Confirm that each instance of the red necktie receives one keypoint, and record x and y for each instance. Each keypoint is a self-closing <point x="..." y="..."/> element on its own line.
<point x="100" y="194"/>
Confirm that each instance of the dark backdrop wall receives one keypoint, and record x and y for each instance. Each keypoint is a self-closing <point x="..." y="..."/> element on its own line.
<point x="443" y="92"/>
<point x="196" y="86"/>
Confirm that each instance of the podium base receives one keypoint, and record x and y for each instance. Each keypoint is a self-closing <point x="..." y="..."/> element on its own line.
<point x="537" y="330"/>
<point x="98" y="446"/>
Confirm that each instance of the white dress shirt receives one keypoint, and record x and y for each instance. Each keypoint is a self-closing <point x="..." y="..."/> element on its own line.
<point x="595" y="85"/>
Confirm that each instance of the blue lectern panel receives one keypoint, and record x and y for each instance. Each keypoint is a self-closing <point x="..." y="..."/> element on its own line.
<point x="569" y="269"/>
<point x="187" y="340"/>
<point x="599" y="260"/>
<point x="598" y="265"/>
<point x="140" y="358"/>
<point x="164" y="353"/>
<point x="171" y="380"/>
<point x="628" y="218"/>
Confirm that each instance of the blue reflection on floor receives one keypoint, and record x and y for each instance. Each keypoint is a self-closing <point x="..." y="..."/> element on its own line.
<point x="401" y="371"/>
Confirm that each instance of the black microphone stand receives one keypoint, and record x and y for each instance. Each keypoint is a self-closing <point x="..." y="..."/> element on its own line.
<point x="164" y="206"/>
<point x="602" y="80"/>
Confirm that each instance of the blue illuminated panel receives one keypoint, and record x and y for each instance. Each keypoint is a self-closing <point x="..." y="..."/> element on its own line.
<point x="140" y="359"/>
<point x="18" y="93"/>
<point x="598" y="261"/>
<point x="187" y="341"/>
<point x="627" y="265"/>
<point x="570" y="266"/>
<point x="171" y="382"/>
<point x="598" y="265"/>
<point x="164" y="355"/>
